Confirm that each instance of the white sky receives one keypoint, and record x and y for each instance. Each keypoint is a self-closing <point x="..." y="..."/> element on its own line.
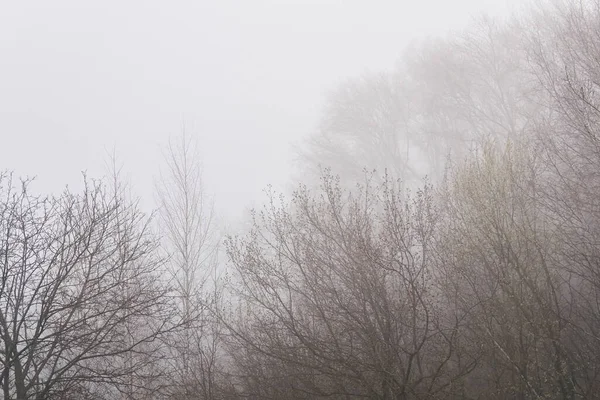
<point x="79" y="78"/>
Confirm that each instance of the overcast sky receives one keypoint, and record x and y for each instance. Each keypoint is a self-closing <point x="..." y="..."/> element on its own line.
<point x="248" y="78"/>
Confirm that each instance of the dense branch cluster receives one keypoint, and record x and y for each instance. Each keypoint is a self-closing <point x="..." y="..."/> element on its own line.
<point x="485" y="286"/>
<point x="82" y="309"/>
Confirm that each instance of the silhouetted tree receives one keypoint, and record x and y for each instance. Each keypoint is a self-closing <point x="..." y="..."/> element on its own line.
<point x="80" y="291"/>
<point x="335" y="298"/>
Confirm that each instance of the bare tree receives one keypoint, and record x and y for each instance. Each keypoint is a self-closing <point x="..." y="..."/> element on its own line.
<point x="444" y="96"/>
<point x="499" y="255"/>
<point x="190" y="238"/>
<point x="564" y="50"/>
<point x="335" y="299"/>
<point x="366" y="124"/>
<point x="76" y="270"/>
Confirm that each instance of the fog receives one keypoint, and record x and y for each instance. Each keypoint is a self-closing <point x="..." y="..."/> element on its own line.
<point x="80" y="80"/>
<point x="299" y="200"/>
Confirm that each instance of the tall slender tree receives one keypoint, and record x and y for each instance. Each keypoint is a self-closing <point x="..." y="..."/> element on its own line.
<point x="187" y="224"/>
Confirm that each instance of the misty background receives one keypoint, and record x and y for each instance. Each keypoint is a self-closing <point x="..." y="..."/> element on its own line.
<point x="424" y="179"/>
<point x="248" y="79"/>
